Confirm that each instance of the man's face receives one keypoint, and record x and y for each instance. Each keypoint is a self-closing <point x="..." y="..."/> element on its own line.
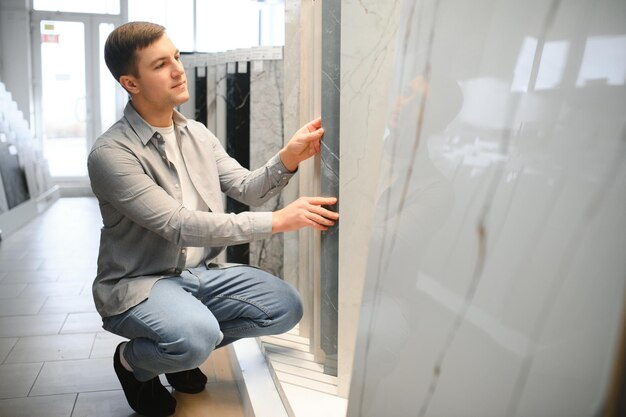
<point x="162" y="81"/>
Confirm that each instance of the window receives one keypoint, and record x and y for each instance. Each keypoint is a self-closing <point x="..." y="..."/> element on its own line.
<point x="79" y="6"/>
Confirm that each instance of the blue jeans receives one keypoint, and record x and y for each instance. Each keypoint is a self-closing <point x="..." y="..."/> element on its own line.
<point x="179" y="325"/>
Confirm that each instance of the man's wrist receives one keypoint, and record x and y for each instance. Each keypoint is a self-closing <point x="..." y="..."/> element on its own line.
<point x="288" y="160"/>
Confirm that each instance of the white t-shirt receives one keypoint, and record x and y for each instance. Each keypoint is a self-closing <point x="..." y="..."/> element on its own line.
<point x="191" y="198"/>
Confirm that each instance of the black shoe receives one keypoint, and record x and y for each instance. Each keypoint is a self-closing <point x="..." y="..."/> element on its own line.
<point x="190" y="382"/>
<point x="149" y="398"/>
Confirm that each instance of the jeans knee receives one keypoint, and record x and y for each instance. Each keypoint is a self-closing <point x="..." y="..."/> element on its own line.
<point x="194" y="345"/>
<point x="292" y="308"/>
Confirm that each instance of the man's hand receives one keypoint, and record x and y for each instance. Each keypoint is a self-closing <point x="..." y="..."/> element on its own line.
<point x="304" y="144"/>
<point x="305" y="212"/>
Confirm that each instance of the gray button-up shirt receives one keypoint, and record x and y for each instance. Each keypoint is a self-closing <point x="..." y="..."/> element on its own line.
<point x="145" y="226"/>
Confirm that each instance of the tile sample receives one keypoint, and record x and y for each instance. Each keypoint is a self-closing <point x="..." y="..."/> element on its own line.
<point x="498" y="236"/>
<point x="238" y="144"/>
<point x="367" y="52"/>
<point x="329" y="179"/>
<point x="266" y="139"/>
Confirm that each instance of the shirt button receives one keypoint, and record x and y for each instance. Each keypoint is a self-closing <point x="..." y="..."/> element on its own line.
<point x="183" y="251"/>
<point x="280" y="172"/>
<point x="177" y="186"/>
<point x="158" y="136"/>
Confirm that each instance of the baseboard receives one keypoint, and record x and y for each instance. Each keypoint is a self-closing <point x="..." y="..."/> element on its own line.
<point x="255" y="381"/>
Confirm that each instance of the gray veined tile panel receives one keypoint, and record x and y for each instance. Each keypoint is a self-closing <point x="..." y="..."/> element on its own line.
<point x="329" y="179"/>
<point x="266" y="139"/>
<point x="499" y="234"/>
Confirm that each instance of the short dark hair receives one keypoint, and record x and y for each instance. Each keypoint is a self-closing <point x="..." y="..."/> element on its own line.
<point x="120" y="49"/>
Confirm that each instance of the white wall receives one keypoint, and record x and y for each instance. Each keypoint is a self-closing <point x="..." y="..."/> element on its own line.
<point x="496" y="275"/>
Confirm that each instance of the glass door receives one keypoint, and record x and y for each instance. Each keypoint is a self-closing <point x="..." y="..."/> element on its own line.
<point x="76" y="98"/>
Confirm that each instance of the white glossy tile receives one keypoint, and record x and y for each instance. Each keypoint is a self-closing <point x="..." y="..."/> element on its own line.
<point x="501" y="192"/>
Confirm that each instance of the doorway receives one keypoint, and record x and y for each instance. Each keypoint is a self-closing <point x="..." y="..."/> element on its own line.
<point x="76" y="99"/>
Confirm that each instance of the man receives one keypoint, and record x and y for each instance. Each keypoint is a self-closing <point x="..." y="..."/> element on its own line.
<point x="158" y="178"/>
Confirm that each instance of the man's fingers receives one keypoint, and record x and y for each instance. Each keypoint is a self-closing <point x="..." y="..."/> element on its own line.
<point x="320" y="219"/>
<point x="314" y="124"/>
<point x="322" y="201"/>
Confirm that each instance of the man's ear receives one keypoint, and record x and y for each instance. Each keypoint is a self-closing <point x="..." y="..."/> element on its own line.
<point x="129" y="84"/>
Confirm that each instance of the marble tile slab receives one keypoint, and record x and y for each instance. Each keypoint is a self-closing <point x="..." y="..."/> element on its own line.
<point x="266" y="139"/>
<point x="238" y="144"/>
<point x="367" y="51"/>
<point x="329" y="179"/>
<point x="498" y="235"/>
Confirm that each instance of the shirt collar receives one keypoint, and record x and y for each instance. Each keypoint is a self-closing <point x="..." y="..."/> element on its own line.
<point x="142" y="128"/>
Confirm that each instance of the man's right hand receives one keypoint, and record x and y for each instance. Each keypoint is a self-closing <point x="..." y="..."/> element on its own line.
<point x="305" y="212"/>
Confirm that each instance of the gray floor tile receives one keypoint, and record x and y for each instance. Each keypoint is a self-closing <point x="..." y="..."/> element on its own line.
<point x="51" y="289"/>
<point x="10" y="290"/>
<point x="105" y="345"/>
<point x="69" y="304"/>
<point x="6" y="344"/>
<point x="20" y="306"/>
<point x="45" y="406"/>
<point x="102" y="404"/>
<point x="51" y="348"/>
<point x="27" y="277"/>
<point x="82" y="323"/>
<point x="17" y="379"/>
<point x="84" y="375"/>
<point x="17" y="326"/>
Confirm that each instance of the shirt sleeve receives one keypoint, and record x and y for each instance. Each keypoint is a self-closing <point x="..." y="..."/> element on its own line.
<point x="250" y="187"/>
<point x="118" y="178"/>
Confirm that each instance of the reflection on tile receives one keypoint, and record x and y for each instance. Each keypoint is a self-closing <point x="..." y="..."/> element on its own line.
<point x="51" y="348"/>
<point x="16" y="326"/>
<point x="46" y="406"/>
<point x="76" y="376"/>
<point x="495" y="207"/>
<point x="17" y="379"/>
<point x="82" y="323"/>
<point x="102" y="404"/>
